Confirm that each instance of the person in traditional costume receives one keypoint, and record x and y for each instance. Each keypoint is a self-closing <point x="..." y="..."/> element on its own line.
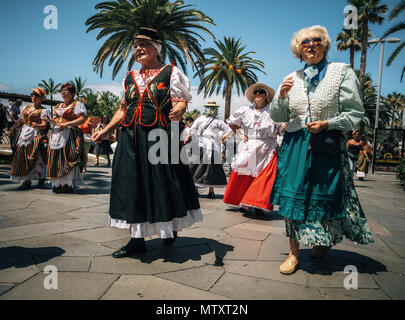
<point x="150" y="197"/>
<point x="365" y="157"/>
<point x="29" y="161"/>
<point x="208" y="172"/>
<point x="314" y="187"/>
<point x="66" y="144"/>
<point x="104" y="147"/>
<point x="254" y="166"/>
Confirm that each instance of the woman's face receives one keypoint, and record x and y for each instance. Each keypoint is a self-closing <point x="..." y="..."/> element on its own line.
<point x="312" y="49"/>
<point x="260" y="97"/>
<point x="36" y="99"/>
<point x="144" y="51"/>
<point x="66" y="95"/>
<point x="105" y="119"/>
<point x="356" y="135"/>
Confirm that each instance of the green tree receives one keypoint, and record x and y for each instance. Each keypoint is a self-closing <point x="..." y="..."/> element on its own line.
<point x="227" y="66"/>
<point x="369" y="11"/>
<point x="194" y="114"/>
<point x="81" y="90"/>
<point x="400" y="26"/>
<point x="349" y="40"/>
<point x="51" y="88"/>
<point x="395" y="103"/>
<point x="107" y="103"/>
<point x="120" y="20"/>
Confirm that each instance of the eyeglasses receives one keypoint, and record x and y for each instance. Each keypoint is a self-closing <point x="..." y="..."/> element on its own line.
<point x="259" y="91"/>
<point x="316" y="42"/>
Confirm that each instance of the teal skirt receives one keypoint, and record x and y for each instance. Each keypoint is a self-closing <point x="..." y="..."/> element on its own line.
<point x="315" y="193"/>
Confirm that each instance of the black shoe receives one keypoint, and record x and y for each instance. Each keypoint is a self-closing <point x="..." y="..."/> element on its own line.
<point x="134" y="246"/>
<point x="25" y="186"/>
<point x="211" y="195"/>
<point x="243" y="210"/>
<point x="259" y="212"/>
<point x="41" y="183"/>
<point x="170" y="241"/>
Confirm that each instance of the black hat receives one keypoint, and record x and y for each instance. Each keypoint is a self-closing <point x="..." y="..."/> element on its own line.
<point x="148" y="34"/>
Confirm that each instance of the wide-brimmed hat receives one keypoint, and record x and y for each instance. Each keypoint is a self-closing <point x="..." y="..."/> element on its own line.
<point x="39" y="91"/>
<point x="270" y="91"/>
<point x="211" y="103"/>
<point x="148" y="34"/>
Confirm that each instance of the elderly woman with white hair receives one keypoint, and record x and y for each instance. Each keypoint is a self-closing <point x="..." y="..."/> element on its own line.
<point x="314" y="188"/>
<point x="148" y="196"/>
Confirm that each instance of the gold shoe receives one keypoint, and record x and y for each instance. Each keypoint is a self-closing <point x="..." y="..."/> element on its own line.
<point x="289" y="266"/>
<point x="319" y="251"/>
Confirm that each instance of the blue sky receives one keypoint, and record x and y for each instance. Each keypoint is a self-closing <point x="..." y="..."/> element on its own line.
<point x="30" y="53"/>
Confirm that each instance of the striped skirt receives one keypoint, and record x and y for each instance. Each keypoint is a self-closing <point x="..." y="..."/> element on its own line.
<point x="26" y="159"/>
<point x="63" y="161"/>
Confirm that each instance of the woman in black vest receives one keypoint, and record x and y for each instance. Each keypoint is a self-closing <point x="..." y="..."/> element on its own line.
<point x="151" y="194"/>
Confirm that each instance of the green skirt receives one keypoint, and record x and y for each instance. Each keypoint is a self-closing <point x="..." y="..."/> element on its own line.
<point x="316" y="195"/>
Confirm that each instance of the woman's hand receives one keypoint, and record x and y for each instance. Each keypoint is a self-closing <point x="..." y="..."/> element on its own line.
<point x="188" y="139"/>
<point x="99" y="135"/>
<point x="176" y="114"/>
<point x="51" y="120"/>
<point x="286" y="86"/>
<point x="317" y="126"/>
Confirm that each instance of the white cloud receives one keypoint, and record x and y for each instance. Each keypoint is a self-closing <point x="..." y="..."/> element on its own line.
<point x="114" y="87"/>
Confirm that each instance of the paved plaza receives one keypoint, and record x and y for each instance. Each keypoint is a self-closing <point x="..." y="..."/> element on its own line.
<point x="229" y="255"/>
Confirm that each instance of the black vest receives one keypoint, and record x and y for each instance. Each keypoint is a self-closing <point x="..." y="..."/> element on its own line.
<point x="153" y="107"/>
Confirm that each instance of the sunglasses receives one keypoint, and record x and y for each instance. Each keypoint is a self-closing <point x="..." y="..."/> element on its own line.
<point x="316" y="41"/>
<point x="259" y="91"/>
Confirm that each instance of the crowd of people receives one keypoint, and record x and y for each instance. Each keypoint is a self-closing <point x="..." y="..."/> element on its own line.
<point x="309" y="175"/>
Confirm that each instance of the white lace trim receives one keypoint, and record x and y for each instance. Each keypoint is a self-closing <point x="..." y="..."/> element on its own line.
<point x="27" y="135"/>
<point x="73" y="179"/>
<point x="200" y="185"/>
<point x="59" y="137"/>
<point x="162" y="229"/>
<point x="39" y="172"/>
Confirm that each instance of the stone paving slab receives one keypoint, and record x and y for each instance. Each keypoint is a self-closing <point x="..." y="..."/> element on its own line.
<point x="236" y="232"/>
<point x="201" y="277"/>
<point x="45" y="228"/>
<point x="359" y="294"/>
<point x="241" y="287"/>
<point x="266" y="270"/>
<point x="98" y="235"/>
<point x="157" y="261"/>
<point x="392" y="284"/>
<point x="153" y="288"/>
<point x="62" y="244"/>
<point x="70" y="286"/>
<point x="5" y="287"/>
<point x="65" y="264"/>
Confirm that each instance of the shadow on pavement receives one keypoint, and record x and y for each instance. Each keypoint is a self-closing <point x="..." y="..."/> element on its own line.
<point x="185" y="249"/>
<point x="337" y="261"/>
<point x="20" y="257"/>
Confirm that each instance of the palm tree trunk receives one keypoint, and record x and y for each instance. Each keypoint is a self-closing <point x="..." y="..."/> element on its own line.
<point x="228" y="96"/>
<point x="51" y="107"/>
<point x="352" y="56"/>
<point x="364" y="46"/>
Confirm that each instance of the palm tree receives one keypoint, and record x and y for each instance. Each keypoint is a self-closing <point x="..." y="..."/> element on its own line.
<point x="226" y="67"/>
<point x="79" y="84"/>
<point x="51" y="88"/>
<point x="398" y="27"/>
<point x="395" y="103"/>
<point x="177" y="24"/>
<point x="369" y="11"/>
<point x="349" y="40"/>
<point x="193" y="114"/>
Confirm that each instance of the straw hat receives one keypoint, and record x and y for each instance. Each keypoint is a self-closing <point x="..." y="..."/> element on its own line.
<point x="211" y="103"/>
<point x="270" y="91"/>
<point x="39" y="91"/>
<point x="148" y="34"/>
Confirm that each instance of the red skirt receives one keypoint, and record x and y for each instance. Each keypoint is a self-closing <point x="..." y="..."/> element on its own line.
<point x="252" y="192"/>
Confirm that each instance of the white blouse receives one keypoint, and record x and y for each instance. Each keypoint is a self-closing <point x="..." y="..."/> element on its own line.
<point x="209" y="138"/>
<point x="28" y="133"/>
<point x="60" y="136"/>
<point x="179" y="84"/>
<point x="255" y="154"/>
